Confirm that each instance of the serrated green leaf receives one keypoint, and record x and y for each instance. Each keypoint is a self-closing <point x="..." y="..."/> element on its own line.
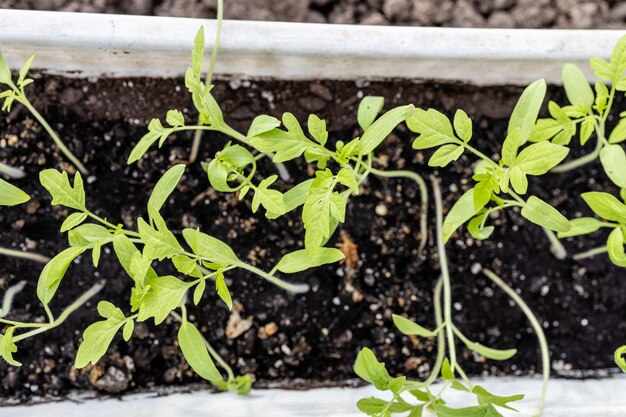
<point x="527" y="109"/>
<point x="317" y="129"/>
<point x="7" y="346"/>
<point x="601" y="68"/>
<point x="175" y="118"/>
<point x="434" y="128"/>
<point x="617" y="64"/>
<point x="62" y="192"/>
<point x="369" y="107"/>
<point x="544" y="215"/>
<point x="164" y="295"/>
<point x="195" y="352"/>
<point x="369" y="369"/>
<point x="613" y="159"/>
<point x="410" y="328"/>
<point x="487" y="397"/>
<point x="159" y="242"/>
<point x="96" y="340"/>
<point x="300" y="260"/>
<point x="606" y="206"/>
<point x="271" y="200"/>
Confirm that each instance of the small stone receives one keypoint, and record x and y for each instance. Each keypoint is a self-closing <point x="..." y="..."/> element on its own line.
<point x="396" y="9"/>
<point x="114" y="381"/>
<point x="237" y="326"/>
<point x="381" y="210"/>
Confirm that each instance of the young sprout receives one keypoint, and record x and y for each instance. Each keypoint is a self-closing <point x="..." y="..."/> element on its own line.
<point x="15" y="93"/>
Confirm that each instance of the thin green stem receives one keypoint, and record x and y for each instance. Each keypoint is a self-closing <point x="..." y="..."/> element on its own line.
<point x="541" y="337"/>
<point x="423" y="236"/>
<point x="578" y="162"/>
<point x="24" y="255"/>
<point x="11" y="172"/>
<point x="55" y="137"/>
<point x="590" y="253"/>
<point x="195" y="147"/>
<point x="9" y="294"/>
<point x="295" y="288"/>
<point x="445" y="274"/>
<point x="65" y="314"/>
<point x="441" y="339"/>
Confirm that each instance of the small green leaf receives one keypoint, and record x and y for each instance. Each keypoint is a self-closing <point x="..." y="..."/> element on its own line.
<point x="463" y="125"/>
<point x="175" y="118"/>
<point x="10" y="195"/>
<point x="615" y="247"/>
<point x="539" y="158"/>
<point x="369" y="369"/>
<point x="199" y="291"/>
<point x="444" y="155"/>
<point x="210" y="248"/>
<point x="62" y="192"/>
<point x="317" y="129"/>
<point x="5" y="72"/>
<point x="527" y="109"/>
<point x="96" y="340"/>
<point x="510" y="147"/>
<point x="198" y="52"/>
<point x="434" y="128"/>
<point x="164" y="187"/>
<point x="606" y="206"/>
<point x="617" y="64"/>
<point x="381" y="128"/>
<point x="410" y="328"/>
<point x="371" y="406"/>
<point x="262" y="124"/>
<point x="490" y="353"/>
<point x="618" y="134"/>
<point x="300" y="260"/>
<point x="164" y="295"/>
<point x="369" y="107"/>
<point x="544" y="215"/>
<point x="613" y="159"/>
<point x="577" y="87"/>
<point x="222" y="290"/>
<point x="53" y="273"/>
<point x="192" y="345"/>
<point x="485" y="396"/>
<point x="446" y="370"/>
<point x="7" y="346"/>
<point x="461" y="212"/>
<point x="474" y="411"/>
<point x="159" y="242"/>
<point x="72" y="221"/>
<point x="582" y="226"/>
<point x="619" y="358"/>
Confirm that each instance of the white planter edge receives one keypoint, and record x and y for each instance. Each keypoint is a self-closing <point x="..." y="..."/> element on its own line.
<point x="83" y="44"/>
<point x="566" y="398"/>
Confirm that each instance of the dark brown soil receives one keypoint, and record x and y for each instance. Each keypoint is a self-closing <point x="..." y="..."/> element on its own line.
<point x="581" y="304"/>
<point x="581" y="14"/>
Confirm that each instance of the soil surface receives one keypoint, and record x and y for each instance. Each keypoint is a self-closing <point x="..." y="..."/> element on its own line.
<point x="459" y="13"/>
<point x="307" y="339"/>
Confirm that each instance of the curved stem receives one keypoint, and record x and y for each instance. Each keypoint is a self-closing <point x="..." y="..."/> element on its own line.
<point x="445" y="275"/>
<point x="65" y="314"/>
<point x="583" y="160"/>
<point x="423" y="237"/>
<point x="195" y="147"/>
<point x="24" y="255"/>
<point x="441" y="340"/>
<point x="55" y="137"/>
<point x="541" y="337"/>
<point x="11" y="171"/>
<point x="295" y="288"/>
<point x="590" y="253"/>
<point x="10" y="293"/>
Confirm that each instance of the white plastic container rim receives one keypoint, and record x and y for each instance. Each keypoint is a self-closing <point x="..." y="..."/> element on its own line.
<point x="121" y="46"/>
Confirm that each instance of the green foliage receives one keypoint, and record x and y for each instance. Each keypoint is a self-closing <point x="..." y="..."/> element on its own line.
<point x="10" y="195"/>
<point x="192" y="345"/>
<point x="619" y="358"/>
